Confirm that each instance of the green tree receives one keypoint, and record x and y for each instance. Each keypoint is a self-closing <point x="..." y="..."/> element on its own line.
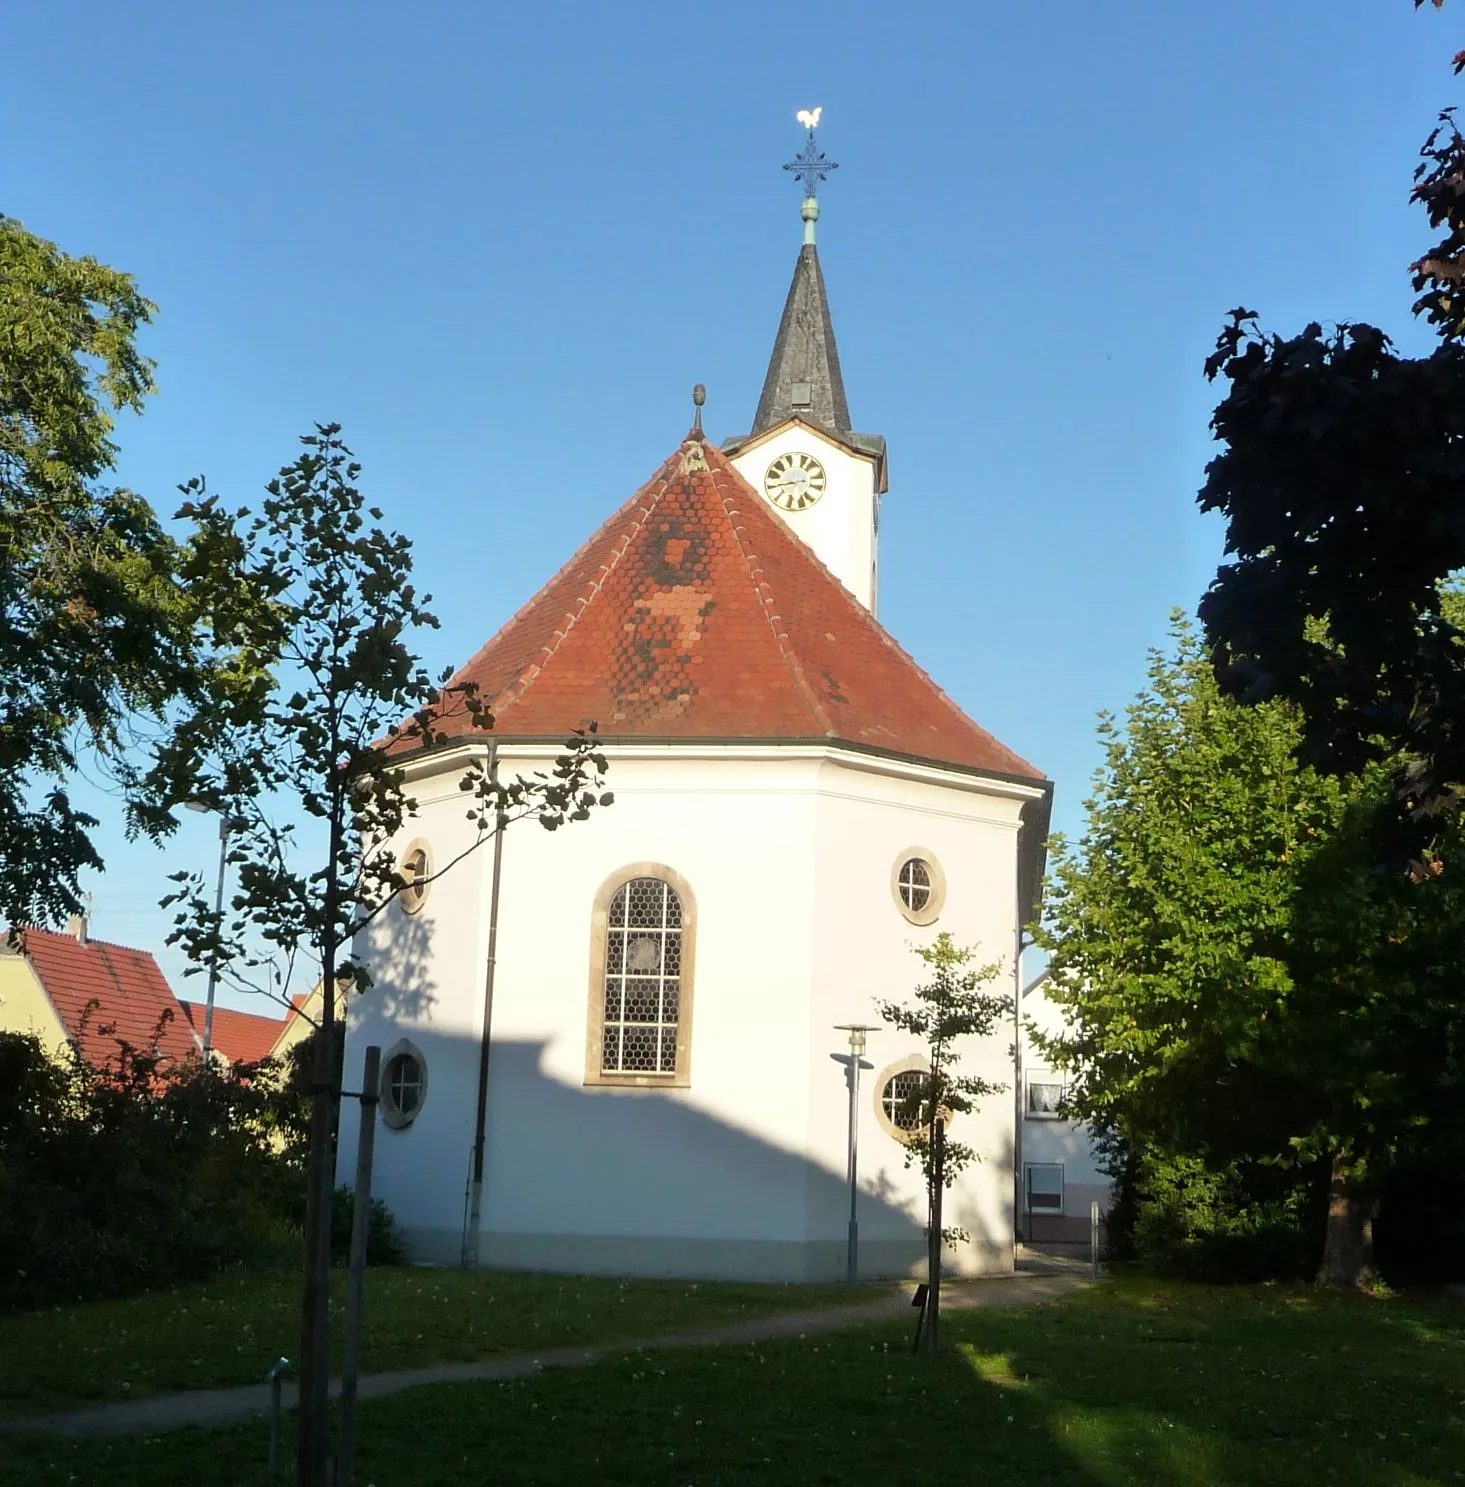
<point x="953" y="1005"/>
<point x="104" y="619"/>
<point x="1243" y="993"/>
<point x="1342" y="488"/>
<point x="323" y="739"/>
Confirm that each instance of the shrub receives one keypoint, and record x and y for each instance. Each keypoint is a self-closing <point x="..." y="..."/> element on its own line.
<point x="384" y="1243"/>
<point x="138" y="1175"/>
<point x="1245" y="1222"/>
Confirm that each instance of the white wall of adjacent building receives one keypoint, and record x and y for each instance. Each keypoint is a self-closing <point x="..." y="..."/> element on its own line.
<point x="1058" y="1156"/>
<point x="788" y="853"/>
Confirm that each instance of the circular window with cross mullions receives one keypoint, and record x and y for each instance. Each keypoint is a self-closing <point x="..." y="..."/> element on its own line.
<point x="918" y="885"/>
<point x="403" y="1084"/>
<point x="902" y="1094"/>
<point x="414" y="868"/>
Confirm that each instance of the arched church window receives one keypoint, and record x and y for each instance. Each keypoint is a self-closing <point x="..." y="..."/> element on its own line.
<point x="918" y="885"/>
<point x="641" y="994"/>
<point x="414" y="868"/>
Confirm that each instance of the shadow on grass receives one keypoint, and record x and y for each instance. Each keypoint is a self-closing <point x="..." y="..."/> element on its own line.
<point x="1133" y="1383"/>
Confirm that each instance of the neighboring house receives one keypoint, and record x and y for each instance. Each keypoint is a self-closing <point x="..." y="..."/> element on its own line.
<point x="70" y="987"/>
<point x="239" y="1037"/>
<point x="1060" y="1172"/>
<point x="654" y="1046"/>
<point x="305" y="1013"/>
<point x="247" y="1037"/>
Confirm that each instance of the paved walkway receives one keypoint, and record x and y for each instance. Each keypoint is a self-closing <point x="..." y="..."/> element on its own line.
<point x="210" y="1407"/>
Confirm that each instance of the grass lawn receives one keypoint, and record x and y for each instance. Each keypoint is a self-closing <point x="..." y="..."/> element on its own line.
<point x="230" y="1330"/>
<point x="1135" y="1382"/>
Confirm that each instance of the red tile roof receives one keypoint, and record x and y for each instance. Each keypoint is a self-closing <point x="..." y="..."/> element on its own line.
<point x="695" y="612"/>
<point x="133" y="999"/>
<point x="242" y="1037"/>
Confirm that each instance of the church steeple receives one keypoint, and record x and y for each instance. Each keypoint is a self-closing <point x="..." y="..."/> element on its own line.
<point x="802" y="455"/>
<point x="804" y="380"/>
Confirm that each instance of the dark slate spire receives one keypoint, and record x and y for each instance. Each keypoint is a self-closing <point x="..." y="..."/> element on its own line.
<point x="803" y="378"/>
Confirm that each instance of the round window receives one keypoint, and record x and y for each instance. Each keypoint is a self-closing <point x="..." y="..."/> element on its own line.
<point x="902" y="1093"/>
<point x="915" y="884"/>
<point x="415" y="870"/>
<point x="918" y="885"/>
<point x="403" y="1084"/>
<point x="902" y="1099"/>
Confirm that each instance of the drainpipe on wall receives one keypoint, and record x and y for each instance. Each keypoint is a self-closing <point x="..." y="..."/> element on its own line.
<point x="1017" y="1099"/>
<point x="475" y="1189"/>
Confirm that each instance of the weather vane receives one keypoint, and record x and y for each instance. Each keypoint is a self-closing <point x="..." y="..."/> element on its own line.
<point x="811" y="167"/>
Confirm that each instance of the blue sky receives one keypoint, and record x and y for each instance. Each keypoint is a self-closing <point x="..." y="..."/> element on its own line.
<point x="499" y="244"/>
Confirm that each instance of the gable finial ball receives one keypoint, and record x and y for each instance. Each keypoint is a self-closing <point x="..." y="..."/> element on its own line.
<point x="699" y="394"/>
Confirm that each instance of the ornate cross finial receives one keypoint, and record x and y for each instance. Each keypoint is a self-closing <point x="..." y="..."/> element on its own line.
<point x="811" y="167"/>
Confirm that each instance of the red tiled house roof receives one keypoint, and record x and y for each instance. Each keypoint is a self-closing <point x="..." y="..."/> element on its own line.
<point x="242" y="1037"/>
<point x="134" y="1003"/>
<point x="695" y="612"/>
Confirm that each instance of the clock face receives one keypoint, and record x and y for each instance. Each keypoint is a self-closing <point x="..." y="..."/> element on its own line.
<point x="794" y="481"/>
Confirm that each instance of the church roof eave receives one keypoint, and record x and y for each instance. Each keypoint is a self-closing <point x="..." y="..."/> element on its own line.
<point x="1035" y="788"/>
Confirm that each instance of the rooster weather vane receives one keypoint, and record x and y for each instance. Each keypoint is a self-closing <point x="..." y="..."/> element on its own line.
<point x="811" y="167"/>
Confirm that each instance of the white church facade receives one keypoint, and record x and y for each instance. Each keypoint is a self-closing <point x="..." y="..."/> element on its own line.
<point x="639" y="1012"/>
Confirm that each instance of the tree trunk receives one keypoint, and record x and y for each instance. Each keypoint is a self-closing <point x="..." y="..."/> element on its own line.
<point x="1348" y="1243"/>
<point x="313" y="1448"/>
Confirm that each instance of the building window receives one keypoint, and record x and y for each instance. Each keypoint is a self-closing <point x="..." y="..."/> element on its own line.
<point x="403" y="1087"/>
<point x="640" y="999"/>
<point x="1045" y="1097"/>
<point x="901" y="1092"/>
<point x="918" y="885"/>
<point x="414" y="868"/>
<point x="1043" y="1182"/>
<point x="904" y="1098"/>
<point x="915" y="884"/>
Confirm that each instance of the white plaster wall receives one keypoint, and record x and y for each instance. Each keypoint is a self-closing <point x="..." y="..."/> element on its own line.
<point x="721" y="1160"/>
<point x="840" y="527"/>
<point x="863" y="953"/>
<point x="788" y="857"/>
<point x="1064" y="1141"/>
<point x="428" y="973"/>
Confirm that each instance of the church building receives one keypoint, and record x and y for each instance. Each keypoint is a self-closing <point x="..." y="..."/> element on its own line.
<point x="628" y="1031"/>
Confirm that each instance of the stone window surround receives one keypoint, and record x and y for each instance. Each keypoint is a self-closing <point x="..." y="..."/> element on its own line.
<point x="599" y="935"/>
<point x="393" y="1118"/>
<point x="407" y="901"/>
<point x="937" y="901"/>
<point x="913" y="1063"/>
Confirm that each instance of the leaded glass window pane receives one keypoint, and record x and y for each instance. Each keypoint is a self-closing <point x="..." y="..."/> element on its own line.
<point x="915" y="884"/>
<point x="903" y="1098"/>
<point x="643" y="961"/>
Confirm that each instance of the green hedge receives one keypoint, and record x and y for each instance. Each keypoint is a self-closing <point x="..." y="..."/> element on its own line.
<point x="138" y="1176"/>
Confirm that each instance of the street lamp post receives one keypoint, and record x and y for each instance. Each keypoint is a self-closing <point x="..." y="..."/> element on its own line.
<point x="857" y="1032"/>
<point x="226" y="823"/>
